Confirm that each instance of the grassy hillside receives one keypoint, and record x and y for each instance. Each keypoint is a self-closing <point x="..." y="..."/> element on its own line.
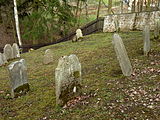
<point x="107" y="94"/>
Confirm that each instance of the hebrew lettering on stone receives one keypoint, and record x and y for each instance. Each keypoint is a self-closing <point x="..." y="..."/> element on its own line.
<point x="122" y="56"/>
<point x="18" y="78"/>
<point x="67" y="78"/>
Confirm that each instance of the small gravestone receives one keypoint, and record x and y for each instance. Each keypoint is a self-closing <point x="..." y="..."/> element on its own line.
<point x="79" y="34"/>
<point x="16" y="53"/>
<point x="67" y="78"/>
<point x="18" y="78"/>
<point x="1" y="59"/>
<point x="157" y="29"/>
<point x="8" y="51"/>
<point x="48" y="57"/>
<point x="122" y="55"/>
<point x="146" y="40"/>
<point x="4" y="58"/>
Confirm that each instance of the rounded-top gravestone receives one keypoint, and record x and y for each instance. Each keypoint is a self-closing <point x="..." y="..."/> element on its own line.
<point x="8" y="51"/>
<point x="16" y="53"/>
<point x="67" y="78"/>
<point x="48" y="57"/>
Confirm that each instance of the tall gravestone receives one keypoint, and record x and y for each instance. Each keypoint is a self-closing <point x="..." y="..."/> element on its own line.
<point x="8" y="51"/>
<point x="18" y="78"/>
<point x="146" y="40"/>
<point x="157" y="29"/>
<point x="122" y="56"/>
<point x="67" y="78"/>
<point x="48" y="57"/>
<point x="16" y="53"/>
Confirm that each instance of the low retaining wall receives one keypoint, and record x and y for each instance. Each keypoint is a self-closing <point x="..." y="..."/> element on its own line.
<point x="130" y="21"/>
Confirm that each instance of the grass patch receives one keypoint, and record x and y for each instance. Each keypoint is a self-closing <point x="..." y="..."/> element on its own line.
<point x="110" y="94"/>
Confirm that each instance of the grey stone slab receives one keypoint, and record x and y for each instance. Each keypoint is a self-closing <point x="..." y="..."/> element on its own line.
<point x="18" y="78"/>
<point x="8" y="51"/>
<point x="146" y="40"/>
<point x="48" y="57"/>
<point x="122" y="56"/>
<point x="67" y="78"/>
<point x="16" y="53"/>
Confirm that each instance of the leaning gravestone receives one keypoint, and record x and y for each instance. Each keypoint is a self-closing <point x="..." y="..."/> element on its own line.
<point x="18" y="78"/>
<point x="67" y="78"/>
<point x="146" y="40"/>
<point x="48" y="57"/>
<point x="122" y="55"/>
<point x="8" y="51"/>
<point x="79" y="34"/>
<point x="16" y="53"/>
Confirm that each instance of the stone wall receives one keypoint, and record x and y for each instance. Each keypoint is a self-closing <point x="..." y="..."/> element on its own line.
<point x="130" y="21"/>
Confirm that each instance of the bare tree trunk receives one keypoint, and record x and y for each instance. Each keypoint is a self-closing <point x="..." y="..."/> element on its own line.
<point x="99" y="6"/>
<point x="141" y="5"/>
<point x="109" y="6"/>
<point x="77" y="8"/>
<point x="86" y="7"/>
<point x="121" y="6"/>
<point x="17" y="23"/>
<point x="134" y="6"/>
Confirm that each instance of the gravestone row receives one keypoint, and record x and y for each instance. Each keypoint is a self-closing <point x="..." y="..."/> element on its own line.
<point x="9" y="52"/>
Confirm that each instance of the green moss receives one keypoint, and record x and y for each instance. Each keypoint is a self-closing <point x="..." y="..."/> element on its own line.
<point x="21" y="90"/>
<point x="102" y="80"/>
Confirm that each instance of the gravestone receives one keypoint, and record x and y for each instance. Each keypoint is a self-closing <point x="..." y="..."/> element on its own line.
<point x="79" y="34"/>
<point x="8" y="51"/>
<point x="48" y="57"/>
<point x="16" y="53"/>
<point x="18" y="78"/>
<point x="146" y="40"/>
<point x="157" y="29"/>
<point x="67" y="78"/>
<point x="1" y="59"/>
<point x="122" y="55"/>
<point x="4" y="58"/>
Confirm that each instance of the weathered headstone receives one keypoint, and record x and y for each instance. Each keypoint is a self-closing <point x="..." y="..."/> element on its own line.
<point x="18" y="78"/>
<point x="122" y="56"/>
<point x="67" y="78"/>
<point x="8" y="51"/>
<point x="16" y="53"/>
<point x="79" y="34"/>
<point x="4" y="58"/>
<point x="157" y="29"/>
<point x="48" y="57"/>
<point x="146" y="40"/>
<point x="1" y="59"/>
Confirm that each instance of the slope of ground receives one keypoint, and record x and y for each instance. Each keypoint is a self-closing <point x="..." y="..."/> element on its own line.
<point x="106" y="93"/>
